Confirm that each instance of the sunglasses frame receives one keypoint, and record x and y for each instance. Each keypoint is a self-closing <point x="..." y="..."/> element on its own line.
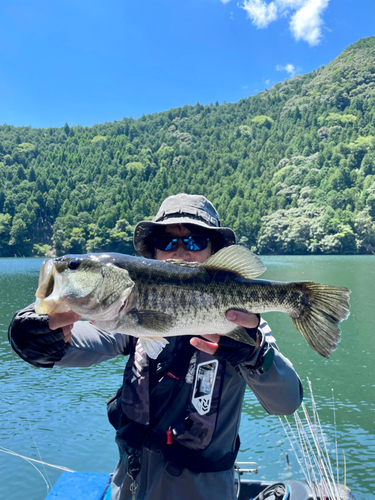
<point x="184" y="239"/>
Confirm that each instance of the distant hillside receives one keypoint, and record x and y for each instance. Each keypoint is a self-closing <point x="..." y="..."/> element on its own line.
<point x="291" y="169"/>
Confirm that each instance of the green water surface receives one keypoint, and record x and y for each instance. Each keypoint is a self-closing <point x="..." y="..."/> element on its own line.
<point x="59" y="415"/>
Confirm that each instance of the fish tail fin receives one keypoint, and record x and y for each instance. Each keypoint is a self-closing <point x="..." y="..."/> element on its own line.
<point x="329" y="305"/>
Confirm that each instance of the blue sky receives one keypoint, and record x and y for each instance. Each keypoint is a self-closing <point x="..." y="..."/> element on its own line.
<point x="85" y="62"/>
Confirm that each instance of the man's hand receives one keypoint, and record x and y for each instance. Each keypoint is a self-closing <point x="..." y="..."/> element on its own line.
<point x="65" y="322"/>
<point x="247" y="320"/>
<point x="40" y="339"/>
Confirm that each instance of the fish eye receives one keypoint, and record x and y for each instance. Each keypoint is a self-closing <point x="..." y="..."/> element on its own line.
<point x="74" y="264"/>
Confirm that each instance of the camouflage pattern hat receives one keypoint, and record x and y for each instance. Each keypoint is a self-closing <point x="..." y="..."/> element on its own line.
<point x="181" y="209"/>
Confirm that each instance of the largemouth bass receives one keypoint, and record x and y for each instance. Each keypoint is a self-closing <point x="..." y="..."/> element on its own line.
<point x="152" y="299"/>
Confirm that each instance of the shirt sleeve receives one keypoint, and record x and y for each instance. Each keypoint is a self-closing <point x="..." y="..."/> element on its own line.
<point x="90" y="346"/>
<point x="279" y="389"/>
<point x="31" y="338"/>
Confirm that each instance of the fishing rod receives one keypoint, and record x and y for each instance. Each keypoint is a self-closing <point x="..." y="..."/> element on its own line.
<point x="310" y="447"/>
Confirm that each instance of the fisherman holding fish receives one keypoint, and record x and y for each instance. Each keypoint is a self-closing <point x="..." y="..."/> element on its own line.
<point x="177" y="414"/>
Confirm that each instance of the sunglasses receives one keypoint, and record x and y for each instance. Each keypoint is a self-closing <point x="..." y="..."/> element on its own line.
<point x="192" y="243"/>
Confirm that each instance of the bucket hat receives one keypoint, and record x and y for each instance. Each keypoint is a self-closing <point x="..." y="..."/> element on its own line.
<point x="181" y="209"/>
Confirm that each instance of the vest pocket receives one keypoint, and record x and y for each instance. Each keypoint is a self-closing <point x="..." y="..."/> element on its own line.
<point x="198" y="428"/>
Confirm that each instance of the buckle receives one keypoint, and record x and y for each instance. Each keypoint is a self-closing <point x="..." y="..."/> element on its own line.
<point x="265" y="359"/>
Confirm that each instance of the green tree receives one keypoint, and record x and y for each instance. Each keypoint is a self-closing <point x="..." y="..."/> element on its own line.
<point x="19" y="241"/>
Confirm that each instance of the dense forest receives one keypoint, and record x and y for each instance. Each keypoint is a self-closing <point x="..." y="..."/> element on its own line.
<point x="291" y="169"/>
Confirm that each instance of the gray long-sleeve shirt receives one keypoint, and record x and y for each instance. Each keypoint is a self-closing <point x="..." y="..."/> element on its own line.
<point x="279" y="391"/>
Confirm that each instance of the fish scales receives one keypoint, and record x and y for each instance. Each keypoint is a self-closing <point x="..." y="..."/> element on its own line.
<point x="153" y="299"/>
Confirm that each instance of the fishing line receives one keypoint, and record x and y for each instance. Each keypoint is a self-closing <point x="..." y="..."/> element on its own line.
<point x="310" y="440"/>
<point x="330" y="478"/>
<point x="38" y="450"/>
<point x="335" y="427"/>
<point x="315" y="466"/>
<point x="307" y="478"/>
<point x="28" y="459"/>
<point x="325" y="477"/>
<point x="317" y="427"/>
<point x="315" y="434"/>
<point x="328" y="461"/>
<point x="344" y="473"/>
<point x="302" y="445"/>
<point x="309" y="452"/>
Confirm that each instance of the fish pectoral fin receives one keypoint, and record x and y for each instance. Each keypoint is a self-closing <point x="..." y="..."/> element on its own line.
<point x="159" y="339"/>
<point x="238" y="260"/>
<point x="240" y="335"/>
<point x="152" y="347"/>
<point x="156" y="321"/>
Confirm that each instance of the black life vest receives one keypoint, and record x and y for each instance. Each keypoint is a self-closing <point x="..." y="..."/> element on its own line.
<point x="173" y="408"/>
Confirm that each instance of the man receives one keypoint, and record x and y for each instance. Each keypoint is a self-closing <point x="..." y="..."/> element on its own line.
<point x="176" y="417"/>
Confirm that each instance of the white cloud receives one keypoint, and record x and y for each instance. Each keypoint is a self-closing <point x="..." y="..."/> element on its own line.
<point x="306" y="16"/>
<point x="289" y="68"/>
<point x="260" y="13"/>
<point x="306" y="22"/>
<point x="291" y="4"/>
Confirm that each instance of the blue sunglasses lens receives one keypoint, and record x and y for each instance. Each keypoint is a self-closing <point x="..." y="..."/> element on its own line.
<point x="192" y="243"/>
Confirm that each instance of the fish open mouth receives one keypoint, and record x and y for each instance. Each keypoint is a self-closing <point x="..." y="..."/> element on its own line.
<point x="94" y="290"/>
<point x="49" y="290"/>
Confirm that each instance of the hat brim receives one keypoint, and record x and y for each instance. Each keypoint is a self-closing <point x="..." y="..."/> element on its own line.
<point x="144" y="230"/>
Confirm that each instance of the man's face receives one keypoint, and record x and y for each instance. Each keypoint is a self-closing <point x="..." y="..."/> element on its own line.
<point x="180" y="252"/>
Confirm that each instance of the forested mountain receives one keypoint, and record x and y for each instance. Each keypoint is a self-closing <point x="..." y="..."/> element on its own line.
<point x="291" y="169"/>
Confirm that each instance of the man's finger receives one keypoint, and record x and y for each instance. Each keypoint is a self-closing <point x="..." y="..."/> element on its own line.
<point x="62" y="319"/>
<point x="67" y="331"/>
<point x="212" y="337"/>
<point x="203" y="345"/>
<point x="247" y="320"/>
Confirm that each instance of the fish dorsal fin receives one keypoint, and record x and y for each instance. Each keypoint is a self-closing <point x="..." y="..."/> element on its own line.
<point x="238" y="260"/>
<point x="234" y="259"/>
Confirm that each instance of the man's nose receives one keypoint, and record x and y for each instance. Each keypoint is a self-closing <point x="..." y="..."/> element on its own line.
<point x="181" y="252"/>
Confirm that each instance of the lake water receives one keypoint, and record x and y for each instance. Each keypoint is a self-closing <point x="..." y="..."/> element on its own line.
<point x="59" y="415"/>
